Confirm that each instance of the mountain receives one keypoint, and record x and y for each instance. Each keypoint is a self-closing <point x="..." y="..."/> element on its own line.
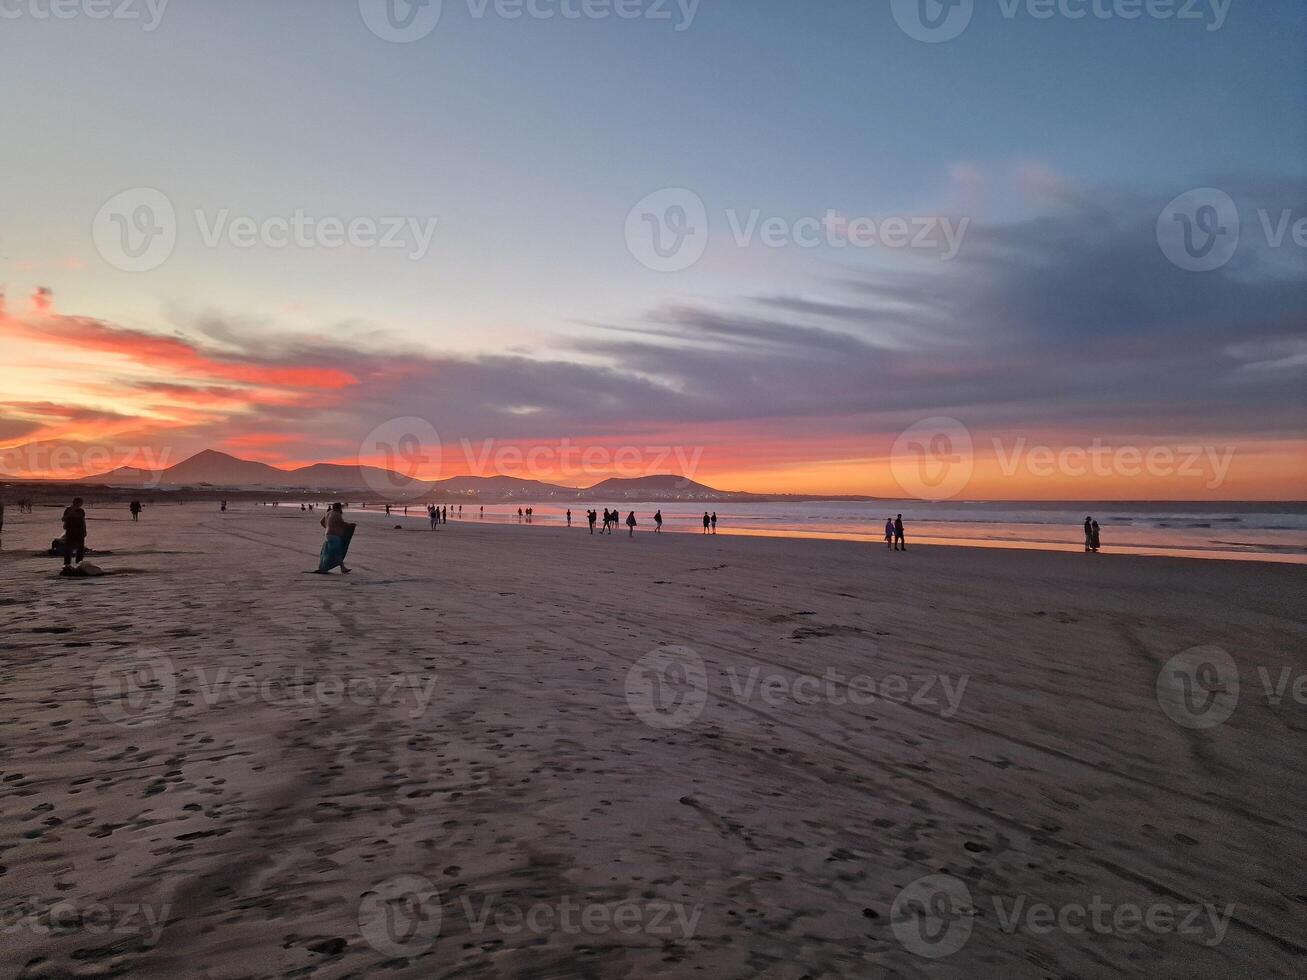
<point x="209" y="466"/>
<point x="341" y="476"/>
<point x="220" y="469"/>
<point x="660" y="487"/>
<point x="502" y="485"/>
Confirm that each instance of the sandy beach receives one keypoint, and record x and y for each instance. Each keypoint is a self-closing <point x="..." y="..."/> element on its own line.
<point x="503" y="751"/>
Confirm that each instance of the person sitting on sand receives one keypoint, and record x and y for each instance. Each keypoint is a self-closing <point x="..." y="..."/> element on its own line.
<point x="658" y="522"/>
<point x="74" y="521"/>
<point x="336" y="546"/>
<point x="899" y="543"/>
<point x="631" y="522"/>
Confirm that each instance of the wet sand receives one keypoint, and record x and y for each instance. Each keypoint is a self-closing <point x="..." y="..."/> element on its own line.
<point x="524" y="751"/>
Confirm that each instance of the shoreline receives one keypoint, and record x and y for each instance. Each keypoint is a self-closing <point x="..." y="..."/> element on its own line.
<point x="373" y="515"/>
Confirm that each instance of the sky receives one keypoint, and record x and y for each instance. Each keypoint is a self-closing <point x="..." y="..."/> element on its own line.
<point x="774" y="245"/>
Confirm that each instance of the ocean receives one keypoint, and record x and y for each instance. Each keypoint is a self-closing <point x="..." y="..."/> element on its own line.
<point x="1247" y="531"/>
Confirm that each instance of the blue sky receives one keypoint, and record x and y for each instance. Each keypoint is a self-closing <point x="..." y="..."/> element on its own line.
<point x="530" y="139"/>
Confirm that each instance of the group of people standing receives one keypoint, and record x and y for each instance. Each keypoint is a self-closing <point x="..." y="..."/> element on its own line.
<point x="894" y="534"/>
<point x="1092" y="539"/>
<point x="437" y="515"/>
<point x="613" y="518"/>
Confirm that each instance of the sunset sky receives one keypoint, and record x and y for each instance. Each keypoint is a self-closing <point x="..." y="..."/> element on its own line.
<point x="519" y="319"/>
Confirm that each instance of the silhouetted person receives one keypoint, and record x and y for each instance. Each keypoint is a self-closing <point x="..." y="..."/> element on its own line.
<point x="74" y="521"/>
<point x="569" y="517"/>
<point x="1089" y="534"/>
<point x="432" y="516"/>
<point x="336" y="545"/>
<point x="387" y="510"/>
<point x="714" y="522"/>
<point x="706" y="522"/>
<point x="900" y="544"/>
<point x="630" y="523"/>
<point x="1094" y="538"/>
<point x="658" y="522"/>
<point x="135" y="508"/>
<point x="223" y="507"/>
<point x="592" y="517"/>
<point x="889" y="532"/>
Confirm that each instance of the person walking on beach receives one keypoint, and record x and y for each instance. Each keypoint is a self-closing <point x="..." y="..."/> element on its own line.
<point x="569" y="517"/>
<point x="899" y="543"/>
<point x="336" y="545"/>
<point x="630" y="523"/>
<point x="889" y="532"/>
<point x="706" y="521"/>
<point x="74" y="521"/>
<point x="658" y="522"/>
<point x="591" y="517"/>
<point x="432" y="516"/>
<point x="714" y="522"/>
<point x="1094" y="539"/>
<point x="135" y="508"/>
